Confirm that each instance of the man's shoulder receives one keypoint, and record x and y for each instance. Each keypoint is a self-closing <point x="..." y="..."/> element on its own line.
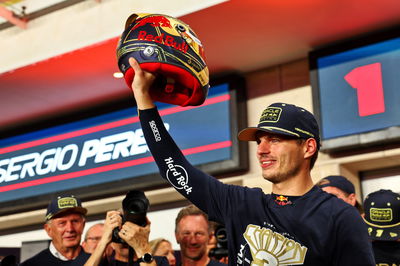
<point x="43" y="255"/>
<point x="328" y="201"/>
<point x="322" y="206"/>
<point x="83" y="256"/>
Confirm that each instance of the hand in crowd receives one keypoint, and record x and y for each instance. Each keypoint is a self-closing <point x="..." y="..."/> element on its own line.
<point x="137" y="237"/>
<point x="113" y="220"/>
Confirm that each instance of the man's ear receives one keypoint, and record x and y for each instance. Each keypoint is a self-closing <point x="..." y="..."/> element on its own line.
<point x="177" y="238"/>
<point x="310" y="147"/>
<point x="47" y="228"/>
<point x="352" y="198"/>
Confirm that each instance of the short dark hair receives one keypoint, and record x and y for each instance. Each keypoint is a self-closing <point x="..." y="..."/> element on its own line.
<point x="313" y="158"/>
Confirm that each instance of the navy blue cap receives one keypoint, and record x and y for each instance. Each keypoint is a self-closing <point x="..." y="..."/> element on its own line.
<point x="64" y="204"/>
<point x="285" y="119"/>
<point x="382" y="215"/>
<point x="337" y="181"/>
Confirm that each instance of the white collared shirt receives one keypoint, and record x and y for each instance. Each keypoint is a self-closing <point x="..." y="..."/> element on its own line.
<point x="56" y="253"/>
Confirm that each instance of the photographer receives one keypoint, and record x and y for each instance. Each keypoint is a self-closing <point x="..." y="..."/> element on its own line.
<point x="129" y="240"/>
<point x="218" y="244"/>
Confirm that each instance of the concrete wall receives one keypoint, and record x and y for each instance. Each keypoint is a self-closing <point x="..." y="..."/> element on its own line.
<point x="80" y="25"/>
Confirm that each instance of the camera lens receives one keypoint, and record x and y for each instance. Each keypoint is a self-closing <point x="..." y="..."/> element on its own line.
<point x="221" y="235"/>
<point x="135" y="206"/>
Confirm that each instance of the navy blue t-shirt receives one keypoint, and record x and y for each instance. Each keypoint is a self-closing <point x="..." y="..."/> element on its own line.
<point x="387" y="252"/>
<point x="315" y="229"/>
<point x="210" y="263"/>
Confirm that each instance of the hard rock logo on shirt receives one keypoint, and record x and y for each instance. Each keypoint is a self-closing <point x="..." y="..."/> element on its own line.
<point x="271" y="248"/>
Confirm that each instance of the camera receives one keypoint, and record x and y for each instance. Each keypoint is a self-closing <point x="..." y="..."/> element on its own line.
<point x="135" y="206"/>
<point x="222" y="243"/>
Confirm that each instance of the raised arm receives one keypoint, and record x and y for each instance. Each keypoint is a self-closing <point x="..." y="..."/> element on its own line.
<point x="113" y="220"/>
<point x="141" y="86"/>
<point x="192" y="183"/>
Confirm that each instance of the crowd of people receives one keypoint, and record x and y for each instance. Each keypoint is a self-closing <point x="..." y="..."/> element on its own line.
<point x="65" y="220"/>
<point x="298" y="223"/>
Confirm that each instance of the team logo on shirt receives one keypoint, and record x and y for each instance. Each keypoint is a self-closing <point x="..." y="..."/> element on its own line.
<point x="177" y="176"/>
<point x="271" y="248"/>
<point x="282" y="200"/>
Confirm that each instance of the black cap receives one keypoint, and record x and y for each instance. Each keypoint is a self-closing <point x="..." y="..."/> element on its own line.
<point x="337" y="181"/>
<point x="63" y="204"/>
<point x="382" y="215"/>
<point x="285" y="119"/>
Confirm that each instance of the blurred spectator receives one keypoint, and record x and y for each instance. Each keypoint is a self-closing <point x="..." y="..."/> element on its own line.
<point x="382" y="216"/>
<point x="212" y="243"/>
<point x="9" y="260"/>
<point x="133" y="236"/>
<point x="342" y="188"/>
<point x="218" y="245"/>
<point x="121" y="254"/>
<point x="193" y="233"/>
<point x="92" y="237"/>
<point x="65" y="220"/>
<point x="162" y="247"/>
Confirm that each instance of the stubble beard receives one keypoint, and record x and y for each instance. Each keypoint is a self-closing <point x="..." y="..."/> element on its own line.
<point x="280" y="176"/>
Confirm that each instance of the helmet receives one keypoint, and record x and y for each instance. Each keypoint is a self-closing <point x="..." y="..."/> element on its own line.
<point x="167" y="47"/>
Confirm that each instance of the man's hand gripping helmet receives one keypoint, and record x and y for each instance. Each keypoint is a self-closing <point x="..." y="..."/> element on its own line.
<point x="167" y="47"/>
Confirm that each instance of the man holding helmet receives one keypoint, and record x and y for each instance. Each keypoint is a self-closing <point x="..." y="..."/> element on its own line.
<point x="297" y="224"/>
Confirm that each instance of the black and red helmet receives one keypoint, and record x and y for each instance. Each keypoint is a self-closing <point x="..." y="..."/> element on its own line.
<point x="169" y="48"/>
